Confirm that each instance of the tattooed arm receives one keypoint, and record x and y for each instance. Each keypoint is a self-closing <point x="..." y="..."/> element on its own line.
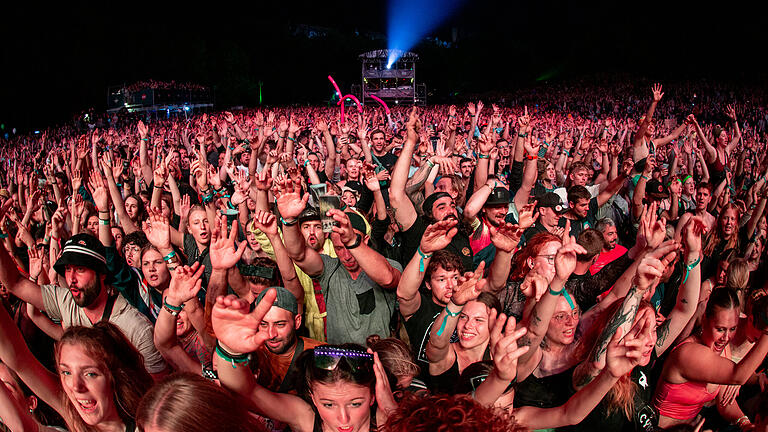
<point x="648" y="273"/>
<point x="622" y="319"/>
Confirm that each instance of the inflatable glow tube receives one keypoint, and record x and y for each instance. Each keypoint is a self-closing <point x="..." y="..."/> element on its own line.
<point x="376" y="98"/>
<point x="338" y="92"/>
<point x="357" y="102"/>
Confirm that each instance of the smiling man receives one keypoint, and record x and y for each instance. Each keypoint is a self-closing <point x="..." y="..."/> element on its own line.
<point x="284" y="345"/>
<point x="87" y="299"/>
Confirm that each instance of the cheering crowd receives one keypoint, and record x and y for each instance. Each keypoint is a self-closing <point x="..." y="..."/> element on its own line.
<point x="577" y="261"/>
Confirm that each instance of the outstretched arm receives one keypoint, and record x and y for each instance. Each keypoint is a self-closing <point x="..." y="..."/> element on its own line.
<point x="405" y="213"/>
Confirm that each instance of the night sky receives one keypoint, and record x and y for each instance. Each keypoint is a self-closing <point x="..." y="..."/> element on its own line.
<point x="58" y="60"/>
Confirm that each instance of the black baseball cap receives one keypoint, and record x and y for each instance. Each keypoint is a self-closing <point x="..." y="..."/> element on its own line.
<point x="655" y="188"/>
<point x="553" y="201"/>
<point x="497" y="197"/>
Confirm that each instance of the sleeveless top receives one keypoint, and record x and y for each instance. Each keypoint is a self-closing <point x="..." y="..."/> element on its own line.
<point x="681" y="401"/>
<point x="545" y="392"/>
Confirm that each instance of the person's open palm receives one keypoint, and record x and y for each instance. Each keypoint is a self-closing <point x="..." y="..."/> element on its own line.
<point x="238" y="329"/>
<point x="469" y="287"/>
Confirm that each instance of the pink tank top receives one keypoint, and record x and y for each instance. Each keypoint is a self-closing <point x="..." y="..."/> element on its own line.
<point x="681" y="401"/>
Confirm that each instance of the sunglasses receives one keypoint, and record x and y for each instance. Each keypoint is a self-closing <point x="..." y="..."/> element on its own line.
<point x="328" y="358"/>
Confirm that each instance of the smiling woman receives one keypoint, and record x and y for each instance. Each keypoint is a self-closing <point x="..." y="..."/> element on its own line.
<point x="101" y="375"/>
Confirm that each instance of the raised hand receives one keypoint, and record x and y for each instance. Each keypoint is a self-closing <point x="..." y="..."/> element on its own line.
<point x="265" y="222"/>
<point x="263" y="180"/>
<point x="506" y="236"/>
<point x="504" y="349"/>
<point x="290" y="202"/>
<point x="624" y="354"/>
<point x="469" y="286"/>
<point x="237" y="329"/>
<point x="143" y="131"/>
<point x="36" y="257"/>
<point x="222" y="249"/>
<point x="385" y="400"/>
<point x="652" y="229"/>
<point x="343" y="226"/>
<point x="527" y="216"/>
<point x="438" y="236"/>
<point x="185" y="283"/>
<point x="693" y="231"/>
<point x="730" y="112"/>
<point x="77" y="180"/>
<point x="652" y="265"/>
<point x="157" y="229"/>
<point x="98" y="191"/>
<point x="534" y="285"/>
<point x="657" y="93"/>
<point x="565" y="260"/>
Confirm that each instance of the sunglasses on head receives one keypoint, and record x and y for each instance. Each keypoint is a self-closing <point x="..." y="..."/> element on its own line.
<point x="328" y="358"/>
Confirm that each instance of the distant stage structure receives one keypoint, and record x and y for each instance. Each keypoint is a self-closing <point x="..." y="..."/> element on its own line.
<point x="396" y="85"/>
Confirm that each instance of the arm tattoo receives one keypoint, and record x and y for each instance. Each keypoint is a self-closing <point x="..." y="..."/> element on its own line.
<point x="662" y="332"/>
<point x="524" y="341"/>
<point x="617" y="321"/>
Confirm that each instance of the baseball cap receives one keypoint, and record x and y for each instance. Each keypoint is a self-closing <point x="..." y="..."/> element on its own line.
<point x="284" y="300"/>
<point x="553" y="201"/>
<point x="497" y="197"/>
<point x="655" y="188"/>
<point x="357" y="221"/>
<point x="426" y="206"/>
<point x="82" y="250"/>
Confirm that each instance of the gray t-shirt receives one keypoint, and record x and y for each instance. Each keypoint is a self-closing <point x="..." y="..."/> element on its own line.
<point x="61" y="307"/>
<point x="357" y="308"/>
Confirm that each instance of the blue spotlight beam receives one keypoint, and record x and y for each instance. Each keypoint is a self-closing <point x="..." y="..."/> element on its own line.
<point x="411" y="20"/>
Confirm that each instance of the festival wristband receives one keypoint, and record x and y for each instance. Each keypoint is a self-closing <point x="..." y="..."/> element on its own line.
<point x="690" y="267"/>
<point x="448" y="313"/>
<point x="568" y="299"/>
<point x="231" y="358"/>
<point x="422" y="258"/>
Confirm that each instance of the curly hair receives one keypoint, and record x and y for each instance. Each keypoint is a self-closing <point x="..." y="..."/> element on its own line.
<point x="118" y="360"/>
<point x="447" y="413"/>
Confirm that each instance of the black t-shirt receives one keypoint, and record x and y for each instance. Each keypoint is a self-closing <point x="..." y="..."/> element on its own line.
<point x="577" y="226"/>
<point x="587" y="287"/>
<point x="459" y="246"/>
<point x="387" y="160"/>
<point x="644" y="418"/>
<point x="512" y="300"/>
<point x="547" y="392"/>
<point x="418" y="326"/>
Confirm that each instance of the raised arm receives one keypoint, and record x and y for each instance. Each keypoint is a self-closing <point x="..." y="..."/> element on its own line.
<point x="267" y="223"/>
<point x="17" y="356"/>
<point x="239" y="333"/>
<point x="688" y="296"/>
<point x="538" y="321"/>
<point x="290" y="204"/>
<point x="371" y="262"/>
<point x="405" y="213"/>
<point x="10" y="276"/>
<point x="436" y="237"/>
<point x="182" y="290"/>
